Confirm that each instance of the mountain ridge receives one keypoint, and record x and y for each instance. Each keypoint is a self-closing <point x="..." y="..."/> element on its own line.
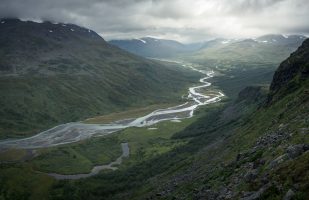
<point x="56" y="73"/>
<point x="292" y="73"/>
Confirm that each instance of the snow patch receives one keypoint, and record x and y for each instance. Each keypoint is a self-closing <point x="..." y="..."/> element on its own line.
<point x="285" y="36"/>
<point x="265" y="41"/>
<point x="225" y="41"/>
<point x="63" y="25"/>
<point x="152" y="128"/>
<point x="89" y="31"/>
<point x="50" y="31"/>
<point x="143" y="41"/>
<point x="72" y="29"/>
<point x="2" y="22"/>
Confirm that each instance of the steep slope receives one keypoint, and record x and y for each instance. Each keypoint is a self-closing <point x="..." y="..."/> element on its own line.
<point x="292" y="73"/>
<point x="260" y="153"/>
<point x="154" y="48"/>
<point x="55" y="73"/>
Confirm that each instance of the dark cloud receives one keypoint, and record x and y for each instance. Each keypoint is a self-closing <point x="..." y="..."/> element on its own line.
<point x="180" y="19"/>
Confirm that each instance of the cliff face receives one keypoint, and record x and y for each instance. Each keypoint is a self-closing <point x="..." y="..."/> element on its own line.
<point x="291" y="74"/>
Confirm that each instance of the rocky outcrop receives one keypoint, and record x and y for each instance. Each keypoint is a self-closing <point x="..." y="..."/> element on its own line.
<point x="296" y="150"/>
<point x="291" y="73"/>
<point x="289" y="195"/>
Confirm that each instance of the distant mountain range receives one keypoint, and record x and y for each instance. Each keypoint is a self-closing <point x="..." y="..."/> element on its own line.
<point x="55" y="73"/>
<point x="154" y="48"/>
<point x="264" y="50"/>
<point x="159" y="48"/>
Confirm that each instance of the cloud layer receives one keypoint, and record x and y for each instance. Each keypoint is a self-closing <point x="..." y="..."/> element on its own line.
<point x="183" y="20"/>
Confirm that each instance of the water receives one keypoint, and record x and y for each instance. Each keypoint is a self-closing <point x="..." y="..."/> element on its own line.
<point x="76" y="131"/>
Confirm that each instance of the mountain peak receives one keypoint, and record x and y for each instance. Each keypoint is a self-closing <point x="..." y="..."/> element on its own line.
<point x="41" y="28"/>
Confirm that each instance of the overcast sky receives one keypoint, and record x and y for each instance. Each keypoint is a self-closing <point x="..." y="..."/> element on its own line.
<point x="184" y="20"/>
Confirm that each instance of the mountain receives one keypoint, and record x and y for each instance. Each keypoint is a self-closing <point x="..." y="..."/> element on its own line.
<point x="292" y="74"/>
<point x="281" y="39"/>
<point x="248" y="149"/>
<point x="217" y="42"/>
<point x="255" y="146"/>
<point x="154" y="48"/>
<point x="268" y="49"/>
<point x="55" y="73"/>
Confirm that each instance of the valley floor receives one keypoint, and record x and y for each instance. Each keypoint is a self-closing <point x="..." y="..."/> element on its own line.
<point x="174" y="159"/>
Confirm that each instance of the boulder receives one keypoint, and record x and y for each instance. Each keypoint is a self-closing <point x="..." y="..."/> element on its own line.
<point x="296" y="150"/>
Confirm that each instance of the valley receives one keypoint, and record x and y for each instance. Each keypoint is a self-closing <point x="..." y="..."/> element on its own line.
<point x="149" y="118"/>
<point x="76" y="131"/>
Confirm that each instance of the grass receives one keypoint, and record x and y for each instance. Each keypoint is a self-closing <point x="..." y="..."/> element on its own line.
<point x="146" y="143"/>
<point x="20" y="182"/>
<point x="131" y="113"/>
<point x="12" y="155"/>
<point x="78" y="158"/>
<point x="152" y="152"/>
<point x="81" y="157"/>
<point x="92" y="79"/>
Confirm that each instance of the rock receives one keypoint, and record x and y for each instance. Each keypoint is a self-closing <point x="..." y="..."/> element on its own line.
<point x="229" y="195"/>
<point x="289" y="195"/>
<point x="158" y="194"/>
<point x="278" y="186"/>
<point x="251" y="175"/>
<point x="282" y="126"/>
<point x="277" y="161"/>
<point x="273" y="137"/>
<point x="257" y="194"/>
<point x="264" y="179"/>
<point x="206" y="194"/>
<point x="238" y="157"/>
<point x="296" y="150"/>
<point x="304" y="131"/>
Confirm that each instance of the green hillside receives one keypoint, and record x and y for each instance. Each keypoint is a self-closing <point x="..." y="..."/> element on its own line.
<point x="57" y="73"/>
<point x="255" y="148"/>
<point x="252" y="146"/>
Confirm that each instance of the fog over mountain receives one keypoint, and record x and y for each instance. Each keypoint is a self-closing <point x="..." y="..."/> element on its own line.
<point x="182" y="20"/>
